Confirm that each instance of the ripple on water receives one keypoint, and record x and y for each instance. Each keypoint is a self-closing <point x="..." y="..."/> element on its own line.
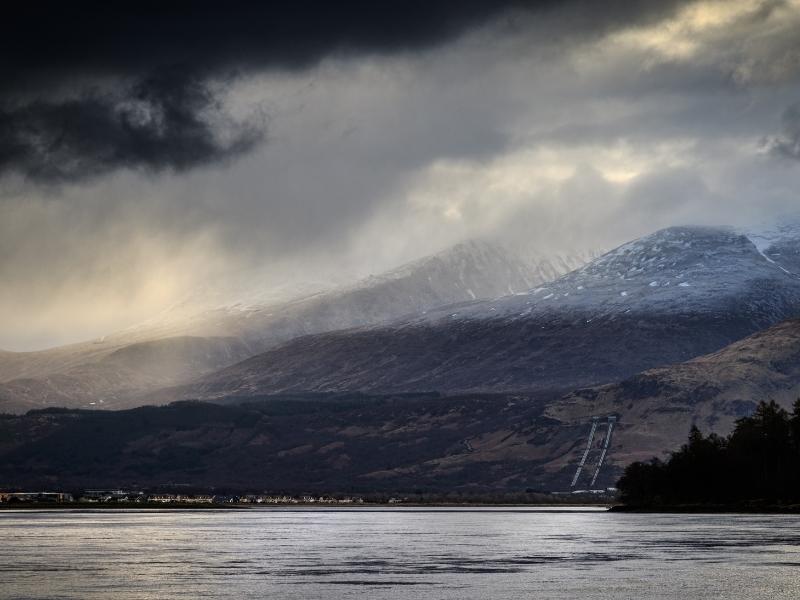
<point x="397" y="554"/>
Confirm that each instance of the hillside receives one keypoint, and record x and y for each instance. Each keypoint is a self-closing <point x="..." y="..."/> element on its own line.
<point x="116" y="378"/>
<point x="313" y="444"/>
<point x="658" y="406"/>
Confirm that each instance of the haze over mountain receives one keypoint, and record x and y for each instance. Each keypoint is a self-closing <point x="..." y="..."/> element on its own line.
<point x="428" y="326"/>
<point x="118" y="370"/>
<point x="467" y="271"/>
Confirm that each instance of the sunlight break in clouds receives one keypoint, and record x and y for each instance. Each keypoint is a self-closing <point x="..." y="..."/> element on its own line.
<point x="556" y="128"/>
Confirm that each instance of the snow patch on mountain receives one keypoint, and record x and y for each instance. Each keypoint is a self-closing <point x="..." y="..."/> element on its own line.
<point x="778" y="241"/>
<point x="675" y="270"/>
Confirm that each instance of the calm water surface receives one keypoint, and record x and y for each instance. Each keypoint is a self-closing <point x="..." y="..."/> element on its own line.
<point x="396" y="554"/>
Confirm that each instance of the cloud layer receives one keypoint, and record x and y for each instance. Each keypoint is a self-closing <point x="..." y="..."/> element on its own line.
<point x="156" y="167"/>
<point x="89" y="89"/>
<point x="166" y="121"/>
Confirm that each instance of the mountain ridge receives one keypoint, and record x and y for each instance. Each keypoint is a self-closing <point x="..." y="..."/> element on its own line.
<point x="74" y="375"/>
<point x="598" y="324"/>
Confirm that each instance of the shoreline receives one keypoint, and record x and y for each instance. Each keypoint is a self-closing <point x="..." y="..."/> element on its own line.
<point x="599" y="507"/>
<point x="765" y="509"/>
<point x="248" y="506"/>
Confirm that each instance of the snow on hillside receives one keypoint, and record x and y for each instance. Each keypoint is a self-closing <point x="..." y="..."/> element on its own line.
<point x="472" y="270"/>
<point x="661" y="299"/>
<point x="679" y="269"/>
<point x="778" y="241"/>
<point x="481" y="269"/>
<point x="773" y="231"/>
<point x="264" y="316"/>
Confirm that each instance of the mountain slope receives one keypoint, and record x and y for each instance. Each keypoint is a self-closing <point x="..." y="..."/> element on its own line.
<point x="353" y="442"/>
<point x="779" y="242"/>
<point x="116" y="378"/>
<point x="657" y="407"/>
<point x="664" y="298"/>
<point x="468" y="271"/>
<point x="118" y="370"/>
<point x="680" y="270"/>
<point x="339" y="444"/>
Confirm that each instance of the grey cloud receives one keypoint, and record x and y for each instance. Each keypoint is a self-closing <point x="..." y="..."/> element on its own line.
<point x="92" y="133"/>
<point x="168" y="121"/>
<point x="366" y="150"/>
<point x="787" y="145"/>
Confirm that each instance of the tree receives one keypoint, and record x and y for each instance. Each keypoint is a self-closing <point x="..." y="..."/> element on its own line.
<point x="758" y="462"/>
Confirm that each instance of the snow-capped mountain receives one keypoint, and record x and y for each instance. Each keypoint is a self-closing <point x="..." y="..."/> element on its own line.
<point x="470" y="271"/>
<point x="475" y="269"/>
<point x="675" y="270"/>
<point x="667" y="297"/>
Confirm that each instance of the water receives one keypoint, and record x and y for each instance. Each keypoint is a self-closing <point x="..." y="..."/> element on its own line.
<point x="396" y="554"/>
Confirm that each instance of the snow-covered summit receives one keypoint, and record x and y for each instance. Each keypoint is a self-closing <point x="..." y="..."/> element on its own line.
<point x="477" y="269"/>
<point x="661" y="299"/>
<point x="471" y="269"/>
<point x="674" y="270"/>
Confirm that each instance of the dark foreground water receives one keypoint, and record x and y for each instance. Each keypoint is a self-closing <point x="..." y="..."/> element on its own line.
<point x="398" y="554"/>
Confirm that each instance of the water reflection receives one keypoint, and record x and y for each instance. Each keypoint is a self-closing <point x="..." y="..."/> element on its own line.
<point x="397" y="554"/>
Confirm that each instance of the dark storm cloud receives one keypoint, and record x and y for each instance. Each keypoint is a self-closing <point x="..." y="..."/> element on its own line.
<point x="44" y="39"/>
<point x="160" y="122"/>
<point x="169" y="118"/>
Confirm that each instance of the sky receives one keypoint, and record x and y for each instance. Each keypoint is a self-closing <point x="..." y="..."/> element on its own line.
<point x="148" y="154"/>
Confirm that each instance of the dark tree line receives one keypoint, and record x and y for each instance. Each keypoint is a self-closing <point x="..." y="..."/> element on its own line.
<point x="759" y="463"/>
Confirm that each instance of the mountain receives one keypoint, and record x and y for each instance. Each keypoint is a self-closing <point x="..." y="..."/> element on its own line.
<point x="118" y="370"/>
<point x="438" y="324"/>
<point x="656" y="408"/>
<point x="680" y="270"/>
<point x="685" y="326"/>
<point x="404" y="442"/>
<point x="468" y="271"/>
<point x="665" y="298"/>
